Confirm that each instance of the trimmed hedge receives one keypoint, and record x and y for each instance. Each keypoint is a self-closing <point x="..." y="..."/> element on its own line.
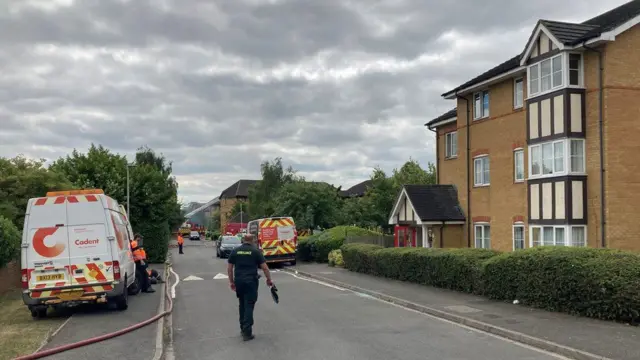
<point x="598" y="283"/>
<point x="456" y="269"/>
<point x="10" y="239"/>
<point x="333" y="239"/>
<point x="335" y="258"/>
<point x="155" y="241"/>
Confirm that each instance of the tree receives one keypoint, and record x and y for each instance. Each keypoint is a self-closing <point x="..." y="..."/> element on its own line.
<point x="22" y="179"/>
<point x="311" y="204"/>
<point x="262" y="194"/>
<point x="239" y="206"/>
<point x="153" y="190"/>
<point x="9" y="241"/>
<point x="412" y="174"/>
<point x="214" y="221"/>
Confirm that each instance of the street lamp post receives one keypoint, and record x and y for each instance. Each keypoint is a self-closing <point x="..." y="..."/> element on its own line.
<point x="128" y="186"/>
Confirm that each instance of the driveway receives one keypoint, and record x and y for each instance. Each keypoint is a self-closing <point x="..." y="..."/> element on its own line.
<point x="313" y="321"/>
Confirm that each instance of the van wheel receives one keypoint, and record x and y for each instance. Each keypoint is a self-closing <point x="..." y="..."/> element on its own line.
<point x="292" y="263"/>
<point x="39" y="313"/>
<point x="134" y="289"/>
<point x="122" y="300"/>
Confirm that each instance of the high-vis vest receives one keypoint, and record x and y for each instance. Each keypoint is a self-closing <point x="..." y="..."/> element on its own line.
<point x="138" y="255"/>
<point x="180" y="240"/>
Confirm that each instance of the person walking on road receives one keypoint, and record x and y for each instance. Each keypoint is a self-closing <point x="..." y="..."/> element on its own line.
<point x="180" y="243"/>
<point x="242" y="269"/>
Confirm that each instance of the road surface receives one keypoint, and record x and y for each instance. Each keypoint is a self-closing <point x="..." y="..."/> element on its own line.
<point x="313" y="321"/>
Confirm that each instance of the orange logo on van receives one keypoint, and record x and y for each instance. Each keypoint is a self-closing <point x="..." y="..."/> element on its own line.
<point x="42" y="249"/>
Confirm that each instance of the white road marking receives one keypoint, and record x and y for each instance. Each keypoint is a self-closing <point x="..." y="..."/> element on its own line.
<point x="61" y="326"/>
<point x="315" y="281"/>
<point x="173" y="287"/>
<point x="50" y="337"/>
<point x="220" y="276"/>
<point x="191" y="278"/>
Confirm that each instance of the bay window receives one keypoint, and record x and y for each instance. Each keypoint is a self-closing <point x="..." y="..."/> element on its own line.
<point x="550" y="158"/>
<point x="556" y="72"/>
<point x="562" y="235"/>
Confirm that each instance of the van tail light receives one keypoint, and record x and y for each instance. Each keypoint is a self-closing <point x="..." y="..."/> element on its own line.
<point x="116" y="270"/>
<point x="25" y="278"/>
<point x="295" y="237"/>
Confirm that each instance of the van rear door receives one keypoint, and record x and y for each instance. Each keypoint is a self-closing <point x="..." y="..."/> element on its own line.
<point x="47" y="254"/>
<point x="89" y="248"/>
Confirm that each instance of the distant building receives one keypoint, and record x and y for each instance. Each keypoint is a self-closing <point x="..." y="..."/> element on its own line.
<point x="357" y="190"/>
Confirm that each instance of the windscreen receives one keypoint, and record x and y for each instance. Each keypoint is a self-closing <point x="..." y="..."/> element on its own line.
<point x="230" y="240"/>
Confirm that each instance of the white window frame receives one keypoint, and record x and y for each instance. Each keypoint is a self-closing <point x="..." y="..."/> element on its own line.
<point x="481" y="114"/>
<point x="580" y="84"/>
<point x="566" y="160"/>
<point x="453" y="152"/>
<point x="480" y="160"/>
<point x="537" y="91"/>
<point x="486" y="241"/>
<point x="518" y="97"/>
<point x="516" y="152"/>
<point x="518" y="225"/>
<point x="568" y="234"/>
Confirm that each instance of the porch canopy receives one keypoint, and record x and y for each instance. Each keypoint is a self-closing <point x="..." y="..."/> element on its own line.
<point x="423" y="206"/>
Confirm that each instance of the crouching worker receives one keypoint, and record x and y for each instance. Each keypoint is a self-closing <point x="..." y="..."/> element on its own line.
<point x="140" y="258"/>
<point x="154" y="276"/>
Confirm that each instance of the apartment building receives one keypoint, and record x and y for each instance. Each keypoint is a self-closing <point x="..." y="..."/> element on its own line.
<point x="541" y="148"/>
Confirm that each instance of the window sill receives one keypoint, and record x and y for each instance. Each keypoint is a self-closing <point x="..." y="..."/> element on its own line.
<point x="547" y="176"/>
<point x="481" y="118"/>
<point x="481" y="186"/>
<point x="451" y="157"/>
<point x="519" y="181"/>
<point x="520" y="107"/>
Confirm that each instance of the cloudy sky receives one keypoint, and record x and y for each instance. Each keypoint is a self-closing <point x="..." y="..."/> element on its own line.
<point x="334" y="87"/>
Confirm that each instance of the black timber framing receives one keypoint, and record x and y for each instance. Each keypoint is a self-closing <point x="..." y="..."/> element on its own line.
<point x="568" y="200"/>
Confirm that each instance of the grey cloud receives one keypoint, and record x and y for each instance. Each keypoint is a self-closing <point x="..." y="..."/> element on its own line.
<point x="63" y="84"/>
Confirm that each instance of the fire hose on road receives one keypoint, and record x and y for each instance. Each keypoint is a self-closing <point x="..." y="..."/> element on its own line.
<point x="100" y="338"/>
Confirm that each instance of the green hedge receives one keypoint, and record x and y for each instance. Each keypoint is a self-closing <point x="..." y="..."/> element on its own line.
<point x="10" y="239"/>
<point x="155" y="241"/>
<point x="335" y="258"/>
<point x="333" y="239"/>
<point x="456" y="269"/>
<point x="598" y="283"/>
<point x="589" y="282"/>
<point x="303" y="253"/>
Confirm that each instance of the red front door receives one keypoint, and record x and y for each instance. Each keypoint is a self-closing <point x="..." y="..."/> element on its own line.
<point x="404" y="236"/>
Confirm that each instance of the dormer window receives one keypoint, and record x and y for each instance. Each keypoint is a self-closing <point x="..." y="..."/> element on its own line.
<point x="550" y="74"/>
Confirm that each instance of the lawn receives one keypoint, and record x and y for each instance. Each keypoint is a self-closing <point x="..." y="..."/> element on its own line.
<point x="20" y="334"/>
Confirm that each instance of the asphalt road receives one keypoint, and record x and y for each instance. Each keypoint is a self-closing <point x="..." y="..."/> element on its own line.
<point x="313" y="321"/>
<point x="96" y="320"/>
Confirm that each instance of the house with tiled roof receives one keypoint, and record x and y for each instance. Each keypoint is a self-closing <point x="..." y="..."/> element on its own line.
<point x="540" y="148"/>
<point x="357" y="190"/>
<point x="239" y="191"/>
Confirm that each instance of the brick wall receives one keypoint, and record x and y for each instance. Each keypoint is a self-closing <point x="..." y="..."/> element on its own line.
<point x="225" y="207"/>
<point x="9" y="277"/>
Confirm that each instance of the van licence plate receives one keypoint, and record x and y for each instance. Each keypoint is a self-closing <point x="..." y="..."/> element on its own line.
<point x="50" y="277"/>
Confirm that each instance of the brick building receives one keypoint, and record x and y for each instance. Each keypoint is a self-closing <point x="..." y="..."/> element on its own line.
<point x="239" y="191"/>
<point x="540" y="148"/>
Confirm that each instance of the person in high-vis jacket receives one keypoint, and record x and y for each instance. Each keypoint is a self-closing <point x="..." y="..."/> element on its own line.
<point x="140" y="258"/>
<point x="242" y="269"/>
<point x="180" y="243"/>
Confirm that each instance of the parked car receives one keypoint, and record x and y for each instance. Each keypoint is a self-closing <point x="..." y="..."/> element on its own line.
<point x="226" y="244"/>
<point x="194" y="235"/>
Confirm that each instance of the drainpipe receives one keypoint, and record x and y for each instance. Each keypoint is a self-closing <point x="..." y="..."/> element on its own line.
<point x="437" y="156"/>
<point x="603" y="221"/>
<point x="468" y="171"/>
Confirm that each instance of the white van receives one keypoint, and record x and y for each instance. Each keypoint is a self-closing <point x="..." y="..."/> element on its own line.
<point x="75" y="249"/>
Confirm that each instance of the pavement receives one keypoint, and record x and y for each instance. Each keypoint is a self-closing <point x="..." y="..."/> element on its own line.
<point x="600" y="338"/>
<point x="313" y="321"/>
<point x="95" y="320"/>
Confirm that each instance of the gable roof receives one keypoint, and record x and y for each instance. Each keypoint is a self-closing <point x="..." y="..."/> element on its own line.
<point x="357" y="190"/>
<point x="433" y="202"/>
<point x="572" y="33"/>
<point x="239" y="189"/>
<point x="449" y="115"/>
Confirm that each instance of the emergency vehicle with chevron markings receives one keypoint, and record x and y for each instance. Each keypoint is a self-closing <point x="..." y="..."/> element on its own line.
<point x="276" y="237"/>
<point x="75" y="249"/>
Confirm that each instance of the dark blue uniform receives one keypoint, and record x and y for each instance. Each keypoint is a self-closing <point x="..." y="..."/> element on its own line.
<point x="246" y="259"/>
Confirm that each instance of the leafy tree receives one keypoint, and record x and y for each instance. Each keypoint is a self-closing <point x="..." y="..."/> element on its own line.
<point x="22" y="179"/>
<point x="412" y="174"/>
<point x="311" y="204"/>
<point x="153" y="190"/>
<point x="9" y="241"/>
<point x="262" y="194"/>
<point x="214" y="221"/>
<point x="239" y="206"/>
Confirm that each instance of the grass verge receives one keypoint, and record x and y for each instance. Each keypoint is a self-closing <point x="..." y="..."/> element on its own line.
<point x="20" y="334"/>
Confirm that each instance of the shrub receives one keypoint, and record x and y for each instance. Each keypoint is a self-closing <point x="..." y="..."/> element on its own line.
<point x="10" y="239"/>
<point x="598" y="283"/>
<point x="456" y="269"/>
<point x="335" y="258"/>
<point x="303" y="253"/>
<point x="155" y="241"/>
<point x="333" y="239"/>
